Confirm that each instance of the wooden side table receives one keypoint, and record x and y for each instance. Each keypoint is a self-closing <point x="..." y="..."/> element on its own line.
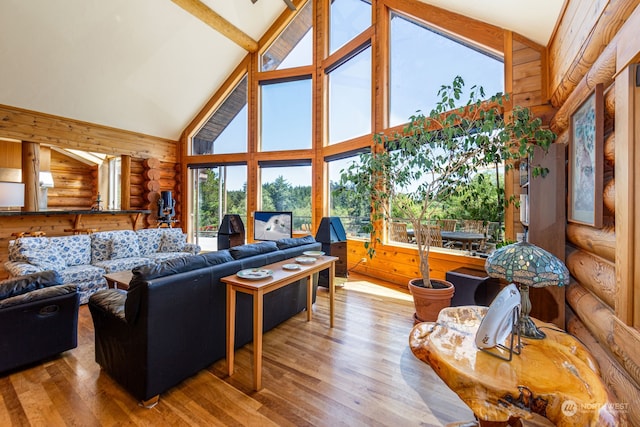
<point x="119" y="280"/>
<point x="555" y="377"/>
<point x="258" y="288"/>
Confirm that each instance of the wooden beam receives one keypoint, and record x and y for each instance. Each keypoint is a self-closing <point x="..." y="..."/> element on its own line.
<point x="218" y="23"/>
<point x="30" y="174"/>
<point x="125" y="183"/>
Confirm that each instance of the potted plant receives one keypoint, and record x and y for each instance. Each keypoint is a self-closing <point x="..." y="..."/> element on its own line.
<point x="433" y="157"/>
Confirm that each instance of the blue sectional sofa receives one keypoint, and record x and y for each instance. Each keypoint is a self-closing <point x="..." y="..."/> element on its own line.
<point x="83" y="260"/>
<point x="171" y="323"/>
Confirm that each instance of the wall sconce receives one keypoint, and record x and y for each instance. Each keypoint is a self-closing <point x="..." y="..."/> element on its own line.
<point x="11" y="195"/>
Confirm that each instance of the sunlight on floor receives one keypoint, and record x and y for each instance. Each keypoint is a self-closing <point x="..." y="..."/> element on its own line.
<point x="371" y="288"/>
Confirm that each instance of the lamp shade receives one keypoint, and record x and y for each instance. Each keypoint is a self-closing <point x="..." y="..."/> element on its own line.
<point x="11" y="194"/>
<point x="527" y="264"/>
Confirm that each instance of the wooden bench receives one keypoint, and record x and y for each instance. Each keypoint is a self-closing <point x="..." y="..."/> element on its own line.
<point x="29" y="234"/>
<point x="80" y="230"/>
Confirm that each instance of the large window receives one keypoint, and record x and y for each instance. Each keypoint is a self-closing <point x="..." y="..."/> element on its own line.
<point x="298" y="113"/>
<point x="218" y="191"/>
<point x="287" y="188"/>
<point x="293" y="47"/>
<point x="348" y="18"/>
<point x="286" y="115"/>
<point x="226" y="130"/>
<point x="350" y="98"/>
<point x="114" y="197"/>
<point x="355" y="217"/>
<point x="423" y="59"/>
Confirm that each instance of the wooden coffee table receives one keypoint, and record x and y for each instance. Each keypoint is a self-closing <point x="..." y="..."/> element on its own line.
<point x="119" y="280"/>
<point x="258" y="288"/>
<point x="555" y="378"/>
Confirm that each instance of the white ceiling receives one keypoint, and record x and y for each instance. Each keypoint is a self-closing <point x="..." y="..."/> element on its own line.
<point x="148" y="66"/>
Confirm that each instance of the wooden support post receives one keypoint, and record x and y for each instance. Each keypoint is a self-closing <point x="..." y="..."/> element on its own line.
<point x="125" y="182"/>
<point x="31" y="175"/>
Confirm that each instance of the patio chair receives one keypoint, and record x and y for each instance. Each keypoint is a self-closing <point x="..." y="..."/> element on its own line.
<point x="474" y="226"/>
<point x="434" y="232"/>
<point x="448" y="224"/>
<point x="398" y="232"/>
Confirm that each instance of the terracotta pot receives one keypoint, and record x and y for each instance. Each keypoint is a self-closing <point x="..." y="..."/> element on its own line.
<point x="429" y="301"/>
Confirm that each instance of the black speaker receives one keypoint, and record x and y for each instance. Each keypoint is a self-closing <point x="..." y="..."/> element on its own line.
<point x="331" y="230"/>
<point x="334" y="242"/>
<point x="473" y="287"/>
<point x="231" y="232"/>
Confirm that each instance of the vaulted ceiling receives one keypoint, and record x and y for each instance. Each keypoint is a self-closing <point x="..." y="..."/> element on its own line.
<point x="149" y="66"/>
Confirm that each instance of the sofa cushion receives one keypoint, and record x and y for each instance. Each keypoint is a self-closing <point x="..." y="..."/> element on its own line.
<point x="111" y="301"/>
<point x="30" y="282"/>
<point x="82" y="273"/>
<point x="125" y="245"/>
<point x="166" y="268"/>
<point x="39" y="252"/>
<point x="121" y="264"/>
<point x="25" y="244"/>
<point x="159" y="257"/>
<point x="149" y="240"/>
<point x="38" y="294"/>
<point x="101" y="243"/>
<point x="218" y="257"/>
<point x="294" y="241"/>
<point x="172" y="241"/>
<point x="251" y="249"/>
<point x="76" y="250"/>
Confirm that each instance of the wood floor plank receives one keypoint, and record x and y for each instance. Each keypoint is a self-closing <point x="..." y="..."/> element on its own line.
<point x="359" y="373"/>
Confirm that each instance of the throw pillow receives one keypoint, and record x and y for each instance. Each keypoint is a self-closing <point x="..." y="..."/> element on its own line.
<point x="172" y="242"/>
<point x="125" y="246"/>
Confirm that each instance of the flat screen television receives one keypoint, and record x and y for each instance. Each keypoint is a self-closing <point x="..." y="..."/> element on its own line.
<point x="272" y="225"/>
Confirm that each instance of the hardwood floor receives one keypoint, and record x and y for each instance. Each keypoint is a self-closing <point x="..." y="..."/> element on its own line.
<point x="360" y="373"/>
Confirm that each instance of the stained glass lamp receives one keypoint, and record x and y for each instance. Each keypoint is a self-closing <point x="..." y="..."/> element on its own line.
<point x="527" y="265"/>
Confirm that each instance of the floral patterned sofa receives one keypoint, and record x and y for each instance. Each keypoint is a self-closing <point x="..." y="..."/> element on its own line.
<point x="83" y="260"/>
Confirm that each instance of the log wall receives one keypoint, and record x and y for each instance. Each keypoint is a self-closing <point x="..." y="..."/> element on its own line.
<point x="75" y="183"/>
<point x="400" y="263"/>
<point x="592" y="45"/>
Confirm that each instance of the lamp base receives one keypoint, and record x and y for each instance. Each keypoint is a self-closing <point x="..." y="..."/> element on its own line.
<point x="528" y="329"/>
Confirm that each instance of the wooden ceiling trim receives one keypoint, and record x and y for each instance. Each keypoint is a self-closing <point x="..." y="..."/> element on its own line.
<point x="47" y="129"/>
<point x="472" y="30"/>
<point x="218" y="23"/>
<point x="215" y="101"/>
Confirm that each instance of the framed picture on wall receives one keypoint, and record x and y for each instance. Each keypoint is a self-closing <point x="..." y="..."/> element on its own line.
<point x="586" y="161"/>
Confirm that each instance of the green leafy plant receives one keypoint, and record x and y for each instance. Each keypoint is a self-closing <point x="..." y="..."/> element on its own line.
<point x="435" y="156"/>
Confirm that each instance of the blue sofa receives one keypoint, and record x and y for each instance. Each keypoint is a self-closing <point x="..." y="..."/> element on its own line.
<point x="171" y="323"/>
